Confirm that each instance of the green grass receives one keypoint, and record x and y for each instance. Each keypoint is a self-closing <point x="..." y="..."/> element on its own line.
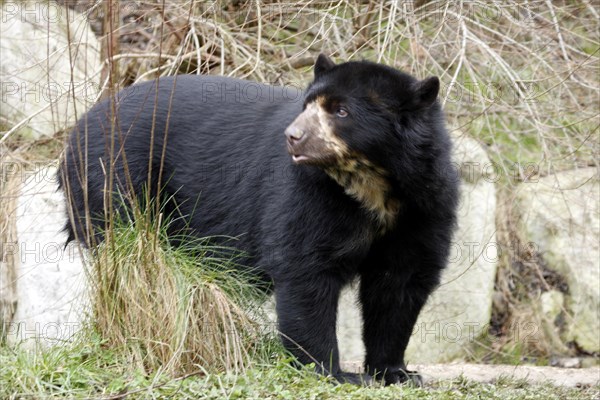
<point x="91" y="369"/>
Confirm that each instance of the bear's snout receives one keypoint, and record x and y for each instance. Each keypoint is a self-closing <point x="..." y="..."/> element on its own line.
<point x="297" y="142"/>
<point x="294" y="134"/>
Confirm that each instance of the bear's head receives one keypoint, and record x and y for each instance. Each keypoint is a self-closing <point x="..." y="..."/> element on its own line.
<point x="354" y="111"/>
<point x="371" y="128"/>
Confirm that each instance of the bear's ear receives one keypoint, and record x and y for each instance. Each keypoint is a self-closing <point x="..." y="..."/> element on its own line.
<point x="323" y="64"/>
<point x="425" y="92"/>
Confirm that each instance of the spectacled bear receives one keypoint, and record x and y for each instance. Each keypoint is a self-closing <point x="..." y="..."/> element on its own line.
<point x="351" y="177"/>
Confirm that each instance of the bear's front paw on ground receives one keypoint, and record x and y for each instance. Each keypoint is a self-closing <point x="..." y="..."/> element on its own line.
<point x="400" y="376"/>
<point x="355" y="379"/>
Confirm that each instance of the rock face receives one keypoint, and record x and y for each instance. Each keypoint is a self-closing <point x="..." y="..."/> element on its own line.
<point x="8" y="244"/>
<point x="50" y="67"/>
<point x="460" y="308"/>
<point x="560" y="215"/>
<point x="50" y="279"/>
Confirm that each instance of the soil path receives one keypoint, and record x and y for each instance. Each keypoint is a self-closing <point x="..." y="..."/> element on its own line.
<point x="572" y="377"/>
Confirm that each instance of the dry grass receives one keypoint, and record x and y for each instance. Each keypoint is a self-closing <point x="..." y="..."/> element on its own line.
<point x="176" y="310"/>
<point x="520" y="76"/>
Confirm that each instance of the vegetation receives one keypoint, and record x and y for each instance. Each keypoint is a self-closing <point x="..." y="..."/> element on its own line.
<point x="93" y="370"/>
<point x="172" y="309"/>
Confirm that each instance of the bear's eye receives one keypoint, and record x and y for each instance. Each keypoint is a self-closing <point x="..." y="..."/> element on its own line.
<point x="341" y="112"/>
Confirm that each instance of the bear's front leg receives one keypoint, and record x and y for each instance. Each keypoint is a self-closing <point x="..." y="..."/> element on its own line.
<point x="391" y="303"/>
<point x="306" y="310"/>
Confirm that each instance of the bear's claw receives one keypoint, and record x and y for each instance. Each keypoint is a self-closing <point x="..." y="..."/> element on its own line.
<point x="401" y="376"/>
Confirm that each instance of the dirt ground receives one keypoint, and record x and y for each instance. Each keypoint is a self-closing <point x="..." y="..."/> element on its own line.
<point x="571" y="377"/>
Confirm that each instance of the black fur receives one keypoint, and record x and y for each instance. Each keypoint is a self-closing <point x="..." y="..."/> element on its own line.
<point x="226" y="166"/>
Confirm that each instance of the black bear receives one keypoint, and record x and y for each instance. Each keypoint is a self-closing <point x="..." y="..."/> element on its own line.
<point x="350" y="178"/>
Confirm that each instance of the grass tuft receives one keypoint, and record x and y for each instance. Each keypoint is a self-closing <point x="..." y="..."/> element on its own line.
<point x="175" y="309"/>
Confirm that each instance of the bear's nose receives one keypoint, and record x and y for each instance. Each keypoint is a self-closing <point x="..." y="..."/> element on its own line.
<point x="294" y="135"/>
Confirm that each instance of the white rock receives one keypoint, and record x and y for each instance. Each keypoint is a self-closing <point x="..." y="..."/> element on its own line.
<point x="8" y="244"/>
<point x="51" y="284"/>
<point x="560" y="215"/>
<point x="460" y="309"/>
<point x="349" y="326"/>
<point x="48" y="73"/>
<point x="552" y="303"/>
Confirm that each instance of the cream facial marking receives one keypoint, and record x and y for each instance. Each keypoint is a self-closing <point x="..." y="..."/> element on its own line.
<point x="325" y="129"/>
<point x="360" y="178"/>
<point x="369" y="185"/>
